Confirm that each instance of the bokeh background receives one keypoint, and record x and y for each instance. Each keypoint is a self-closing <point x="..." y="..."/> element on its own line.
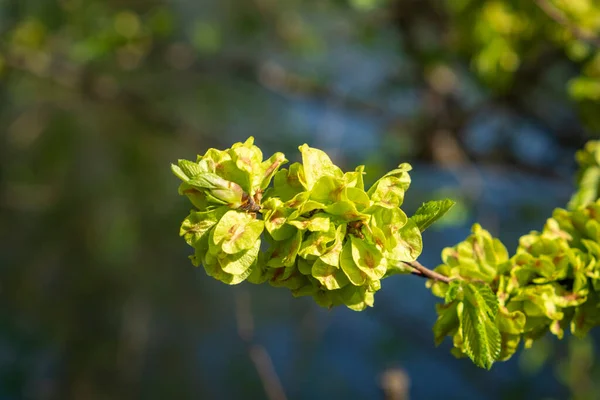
<point x="488" y="99"/>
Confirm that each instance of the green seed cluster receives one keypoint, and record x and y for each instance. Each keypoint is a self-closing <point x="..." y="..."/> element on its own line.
<point x="494" y="302"/>
<point x="310" y="228"/>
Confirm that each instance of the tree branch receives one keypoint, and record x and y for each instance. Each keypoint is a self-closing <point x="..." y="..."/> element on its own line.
<point x="556" y="14"/>
<point x="421" y="270"/>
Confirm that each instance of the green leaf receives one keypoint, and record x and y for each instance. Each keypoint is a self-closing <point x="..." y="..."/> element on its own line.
<point x="447" y="322"/>
<point x="430" y="212"/>
<point x="454" y="287"/>
<point x="480" y="334"/>
<point x="317" y="164"/>
<point x="186" y="170"/>
<point x="237" y="231"/>
<point x="179" y="173"/>
<point x="197" y="197"/>
<point x="190" y="169"/>
<point x="221" y="189"/>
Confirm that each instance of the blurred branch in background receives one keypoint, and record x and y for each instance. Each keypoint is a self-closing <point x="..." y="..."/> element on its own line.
<point x="557" y="15"/>
<point x="395" y="384"/>
<point x="579" y="369"/>
<point x="258" y="354"/>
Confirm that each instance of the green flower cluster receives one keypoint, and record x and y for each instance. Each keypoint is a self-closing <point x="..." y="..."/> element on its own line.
<point x="550" y="284"/>
<point x="315" y="230"/>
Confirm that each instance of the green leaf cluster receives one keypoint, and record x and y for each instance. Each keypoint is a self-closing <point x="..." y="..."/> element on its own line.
<point x="588" y="177"/>
<point x="551" y="283"/>
<point x="311" y="227"/>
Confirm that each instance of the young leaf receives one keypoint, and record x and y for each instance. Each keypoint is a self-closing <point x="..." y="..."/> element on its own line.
<point x="480" y="334"/>
<point x="447" y="322"/>
<point x="454" y="287"/>
<point x="430" y="212"/>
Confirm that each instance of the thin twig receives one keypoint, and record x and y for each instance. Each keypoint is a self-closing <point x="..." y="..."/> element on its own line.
<point x="557" y="15"/>
<point x="258" y="354"/>
<point x="421" y="270"/>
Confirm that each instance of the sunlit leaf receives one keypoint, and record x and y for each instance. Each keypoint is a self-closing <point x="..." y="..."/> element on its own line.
<point x="430" y="212"/>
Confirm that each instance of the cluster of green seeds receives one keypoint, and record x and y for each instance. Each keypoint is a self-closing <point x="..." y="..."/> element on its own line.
<point x="551" y="283"/>
<point x="310" y="228"/>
